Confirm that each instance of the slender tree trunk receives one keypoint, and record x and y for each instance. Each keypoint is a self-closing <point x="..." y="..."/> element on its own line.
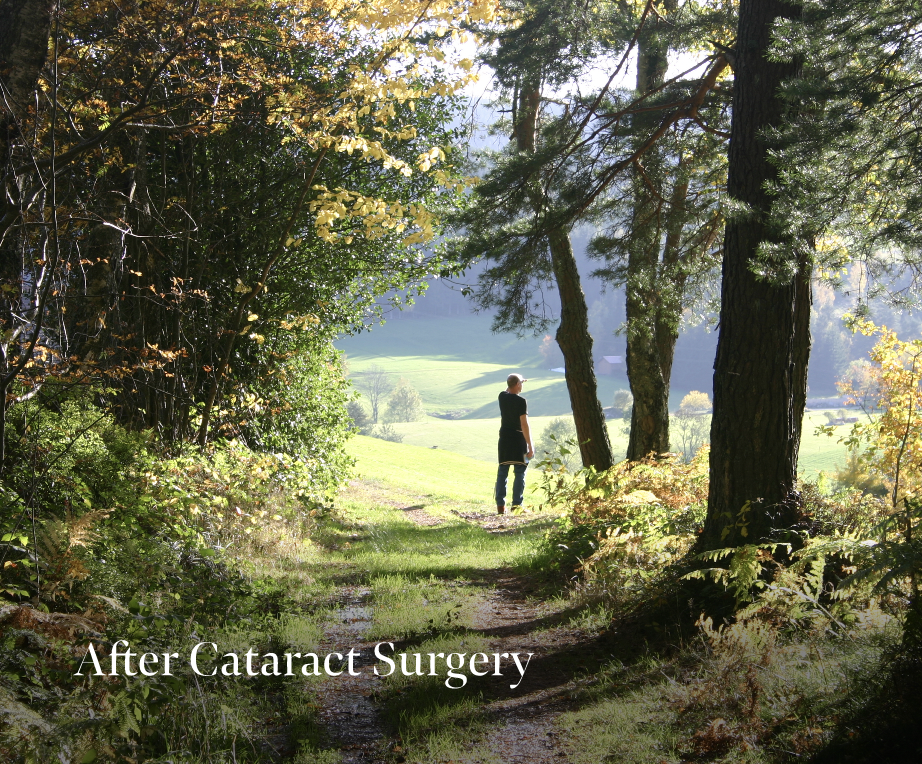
<point x="576" y="345"/>
<point x="105" y="248"/>
<point x="651" y="335"/>
<point x="650" y="413"/>
<point x="670" y="313"/>
<point x="573" y="333"/>
<point x="178" y="410"/>
<point x="760" y="373"/>
<point x="25" y="27"/>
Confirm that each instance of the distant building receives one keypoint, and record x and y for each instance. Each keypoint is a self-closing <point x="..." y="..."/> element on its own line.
<point x="609" y="364"/>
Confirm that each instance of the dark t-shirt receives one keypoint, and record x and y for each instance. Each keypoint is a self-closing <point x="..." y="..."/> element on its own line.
<point x="511" y="408"/>
<point x="512" y="446"/>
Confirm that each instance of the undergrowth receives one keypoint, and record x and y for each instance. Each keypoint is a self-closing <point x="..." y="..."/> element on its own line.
<point x="814" y="630"/>
<point x="105" y="535"/>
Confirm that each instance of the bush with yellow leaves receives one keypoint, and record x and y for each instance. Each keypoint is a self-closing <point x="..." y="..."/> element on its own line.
<point x="622" y="525"/>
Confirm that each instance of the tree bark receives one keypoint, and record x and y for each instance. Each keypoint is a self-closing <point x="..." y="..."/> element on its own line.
<point x="576" y="345"/>
<point x="760" y="372"/>
<point x="572" y="336"/>
<point x="25" y="26"/>
<point x="652" y="317"/>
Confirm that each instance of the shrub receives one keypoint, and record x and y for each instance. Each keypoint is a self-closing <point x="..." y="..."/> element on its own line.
<point x="611" y="496"/>
<point x="889" y="443"/>
<point x="691" y="424"/>
<point x="623" y="525"/>
<point x="857" y="475"/>
<point x="624" y="400"/>
<point x="557" y="446"/>
<point x="387" y="432"/>
<point x="404" y="404"/>
<point x="64" y="452"/>
<point x="128" y="543"/>
<point x="300" y="409"/>
<point x="360" y="418"/>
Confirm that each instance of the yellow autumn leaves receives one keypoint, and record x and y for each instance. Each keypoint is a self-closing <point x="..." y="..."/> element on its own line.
<point x="366" y="113"/>
<point x="388" y="15"/>
<point x="889" y="441"/>
<point x="370" y="64"/>
<point x="372" y="217"/>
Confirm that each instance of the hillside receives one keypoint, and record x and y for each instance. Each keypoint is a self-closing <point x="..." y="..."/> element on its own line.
<point x="459" y="365"/>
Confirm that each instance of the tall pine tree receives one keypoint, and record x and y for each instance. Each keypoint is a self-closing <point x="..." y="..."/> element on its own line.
<point x="760" y="373"/>
<point x="600" y="157"/>
<point x="662" y="220"/>
<point x="515" y="221"/>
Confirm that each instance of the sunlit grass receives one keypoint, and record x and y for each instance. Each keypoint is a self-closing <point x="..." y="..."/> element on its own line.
<point x="460" y="365"/>
<point x="452" y="550"/>
<point x="435" y="722"/>
<point x="423" y="472"/>
<point x="821" y="452"/>
<point x="476" y="439"/>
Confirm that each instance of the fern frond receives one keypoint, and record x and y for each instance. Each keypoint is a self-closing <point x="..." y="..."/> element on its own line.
<point x="80" y="531"/>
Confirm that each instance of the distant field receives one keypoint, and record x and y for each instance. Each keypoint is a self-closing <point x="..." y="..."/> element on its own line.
<point x="433" y="473"/>
<point x="820" y="452"/>
<point x="458" y="364"/>
<point x="476" y="438"/>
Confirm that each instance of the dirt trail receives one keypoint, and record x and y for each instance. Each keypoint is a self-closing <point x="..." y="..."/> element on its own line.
<point x="348" y="713"/>
<point x="521" y="720"/>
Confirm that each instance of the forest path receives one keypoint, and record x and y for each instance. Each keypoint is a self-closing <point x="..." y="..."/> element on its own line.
<point x="439" y="575"/>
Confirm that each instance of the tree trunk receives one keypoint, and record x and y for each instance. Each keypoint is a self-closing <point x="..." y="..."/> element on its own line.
<point x="105" y="248"/>
<point x="576" y="345"/>
<point x="573" y="333"/>
<point x="760" y="373"/>
<point x="25" y="26"/>
<point x="651" y="336"/>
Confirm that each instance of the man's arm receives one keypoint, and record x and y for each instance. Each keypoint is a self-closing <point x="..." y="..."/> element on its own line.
<point x="527" y="433"/>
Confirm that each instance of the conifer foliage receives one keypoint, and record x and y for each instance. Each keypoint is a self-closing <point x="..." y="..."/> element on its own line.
<point x="640" y="164"/>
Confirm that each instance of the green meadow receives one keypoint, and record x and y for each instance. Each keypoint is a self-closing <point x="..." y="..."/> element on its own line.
<point x="458" y="365"/>
<point x="426" y="472"/>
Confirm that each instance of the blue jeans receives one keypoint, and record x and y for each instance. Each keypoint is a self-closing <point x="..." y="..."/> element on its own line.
<point x="518" y="484"/>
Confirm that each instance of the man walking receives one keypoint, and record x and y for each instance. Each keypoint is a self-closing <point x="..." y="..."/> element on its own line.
<point x="515" y="446"/>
